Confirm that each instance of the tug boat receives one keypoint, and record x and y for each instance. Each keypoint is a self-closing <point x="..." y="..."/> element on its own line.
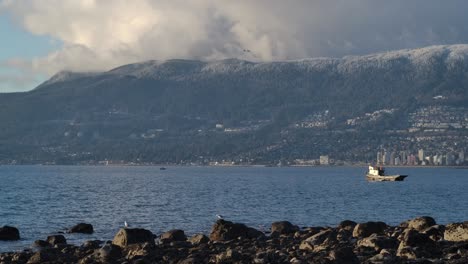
<point x="378" y="174"/>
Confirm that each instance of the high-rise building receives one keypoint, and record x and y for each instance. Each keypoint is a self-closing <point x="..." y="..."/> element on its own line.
<point x="450" y="159"/>
<point x="379" y="158"/>
<point x="386" y="158"/>
<point x="421" y="155"/>
<point x="461" y="156"/>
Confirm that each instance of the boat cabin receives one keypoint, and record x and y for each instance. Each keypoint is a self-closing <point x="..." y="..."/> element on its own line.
<point x="377" y="171"/>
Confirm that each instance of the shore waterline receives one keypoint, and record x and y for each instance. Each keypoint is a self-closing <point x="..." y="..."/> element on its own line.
<point x="43" y="200"/>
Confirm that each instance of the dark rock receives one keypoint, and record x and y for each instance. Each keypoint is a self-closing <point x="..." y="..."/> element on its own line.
<point x="91" y="244"/>
<point x="283" y="227"/>
<point x="321" y="241"/>
<point x="378" y="242"/>
<point x="347" y="225"/>
<point x="138" y="251"/>
<point x="56" y="240"/>
<point x="9" y="233"/>
<point x="416" y="245"/>
<point x="384" y="257"/>
<point x="108" y="253"/>
<point x="173" y="235"/>
<point x="344" y="255"/>
<point x="435" y="232"/>
<point x="41" y="243"/>
<point x="369" y="228"/>
<point x="45" y="256"/>
<point x="199" y="239"/>
<point x="82" y="228"/>
<point x="456" y="232"/>
<point x="419" y="223"/>
<point x="128" y="236"/>
<point x="228" y="256"/>
<point x="225" y="230"/>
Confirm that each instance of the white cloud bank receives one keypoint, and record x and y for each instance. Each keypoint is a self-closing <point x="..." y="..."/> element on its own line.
<point x="102" y="34"/>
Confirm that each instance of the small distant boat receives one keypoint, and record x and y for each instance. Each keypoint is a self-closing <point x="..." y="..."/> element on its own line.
<point x="162" y="168"/>
<point x="378" y="174"/>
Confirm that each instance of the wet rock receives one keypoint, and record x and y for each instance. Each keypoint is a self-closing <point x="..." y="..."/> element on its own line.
<point x="56" y="240"/>
<point x="378" y="242"/>
<point x="9" y="233"/>
<point x="456" y="232"/>
<point x="283" y="227"/>
<point x="199" y="239"/>
<point x="173" y="235"/>
<point x="420" y="223"/>
<point x="128" y="236"/>
<point x="225" y="230"/>
<point x="82" y="228"/>
<point x="369" y="228"/>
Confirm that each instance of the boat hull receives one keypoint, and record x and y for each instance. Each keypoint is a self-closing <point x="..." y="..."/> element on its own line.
<point x="371" y="177"/>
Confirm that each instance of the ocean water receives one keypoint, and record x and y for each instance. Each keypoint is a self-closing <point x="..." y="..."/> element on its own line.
<point x="45" y="200"/>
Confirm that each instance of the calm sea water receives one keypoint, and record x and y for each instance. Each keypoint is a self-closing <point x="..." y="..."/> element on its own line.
<point x="44" y="200"/>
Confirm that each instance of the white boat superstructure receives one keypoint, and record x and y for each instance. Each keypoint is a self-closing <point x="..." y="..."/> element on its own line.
<point x="378" y="174"/>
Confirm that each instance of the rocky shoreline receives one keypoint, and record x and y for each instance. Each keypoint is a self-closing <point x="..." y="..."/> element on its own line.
<point x="419" y="240"/>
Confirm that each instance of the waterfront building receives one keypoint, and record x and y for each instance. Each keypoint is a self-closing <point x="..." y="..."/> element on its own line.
<point x="324" y="160"/>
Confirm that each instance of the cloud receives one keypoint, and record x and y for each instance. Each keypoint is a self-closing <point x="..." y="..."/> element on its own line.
<point x="102" y="34"/>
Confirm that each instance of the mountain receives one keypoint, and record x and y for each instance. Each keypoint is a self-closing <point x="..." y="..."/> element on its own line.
<point x="185" y="110"/>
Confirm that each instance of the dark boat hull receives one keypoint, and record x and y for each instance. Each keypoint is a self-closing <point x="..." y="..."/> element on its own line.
<point x="386" y="178"/>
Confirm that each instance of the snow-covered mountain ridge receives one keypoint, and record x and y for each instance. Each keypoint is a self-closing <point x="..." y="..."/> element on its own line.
<point x="421" y="59"/>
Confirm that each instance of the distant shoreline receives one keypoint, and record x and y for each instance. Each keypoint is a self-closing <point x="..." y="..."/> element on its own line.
<point x="237" y="166"/>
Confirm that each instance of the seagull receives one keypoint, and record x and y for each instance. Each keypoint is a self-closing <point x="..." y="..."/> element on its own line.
<point x="219" y="216"/>
<point x="125" y="224"/>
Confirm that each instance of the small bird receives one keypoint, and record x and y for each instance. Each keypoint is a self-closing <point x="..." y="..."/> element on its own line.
<point x="219" y="216"/>
<point x="126" y="224"/>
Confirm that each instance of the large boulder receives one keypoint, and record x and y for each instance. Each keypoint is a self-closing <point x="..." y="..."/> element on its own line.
<point x="347" y="225"/>
<point x="225" y="230"/>
<point x="174" y="235"/>
<point x="366" y="229"/>
<point x="456" y="232"/>
<point x="82" y="228"/>
<point x="415" y="244"/>
<point x="56" y="240"/>
<point x="128" y="236"/>
<point x="283" y="227"/>
<point x="9" y="233"/>
<point x="420" y="223"/>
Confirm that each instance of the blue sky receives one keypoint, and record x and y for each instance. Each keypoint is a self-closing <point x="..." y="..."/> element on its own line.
<point x="18" y="43"/>
<point x="44" y="37"/>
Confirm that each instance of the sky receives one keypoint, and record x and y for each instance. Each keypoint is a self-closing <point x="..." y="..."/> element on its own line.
<point x="42" y="37"/>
